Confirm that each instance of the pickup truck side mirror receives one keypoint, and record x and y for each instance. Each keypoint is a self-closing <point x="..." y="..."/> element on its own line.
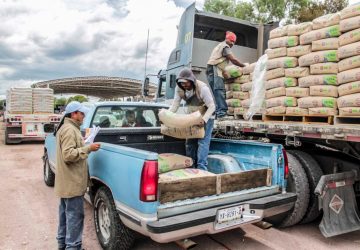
<point x="145" y="87"/>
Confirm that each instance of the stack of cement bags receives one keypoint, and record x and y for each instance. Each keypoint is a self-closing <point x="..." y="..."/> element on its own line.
<point x="243" y="90"/>
<point x="322" y="81"/>
<point x="19" y="101"/>
<point x="281" y="41"/>
<point x="43" y="100"/>
<point x="234" y="95"/>
<point x="349" y="66"/>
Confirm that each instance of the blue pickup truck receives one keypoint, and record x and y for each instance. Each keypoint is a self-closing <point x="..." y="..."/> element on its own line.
<point x="248" y="182"/>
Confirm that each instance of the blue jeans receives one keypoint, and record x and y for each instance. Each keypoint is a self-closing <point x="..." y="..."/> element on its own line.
<point x="198" y="149"/>
<point x="217" y="86"/>
<point x="71" y="223"/>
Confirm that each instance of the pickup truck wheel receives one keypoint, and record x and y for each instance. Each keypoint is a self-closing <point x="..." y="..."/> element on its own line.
<point x="313" y="173"/>
<point x="49" y="176"/>
<point x="111" y="232"/>
<point x="296" y="183"/>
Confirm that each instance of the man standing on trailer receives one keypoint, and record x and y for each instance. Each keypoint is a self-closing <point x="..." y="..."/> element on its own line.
<point x="220" y="57"/>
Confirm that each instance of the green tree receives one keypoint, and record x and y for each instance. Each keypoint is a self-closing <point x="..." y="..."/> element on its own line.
<point x="60" y="101"/>
<point x="2" y="104"/>
<point x="79" y="98"/>
<point x="222" y="7"/>
<point x="316" y="9"/>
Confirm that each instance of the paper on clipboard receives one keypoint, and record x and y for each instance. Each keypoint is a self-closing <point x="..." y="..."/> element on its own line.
<point x="92" y="134"/>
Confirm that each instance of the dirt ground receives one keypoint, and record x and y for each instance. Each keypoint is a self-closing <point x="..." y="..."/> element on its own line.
<point x="28" y="216"/>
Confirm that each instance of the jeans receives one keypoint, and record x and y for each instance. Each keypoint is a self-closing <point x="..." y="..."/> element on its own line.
<point x="218" y="88"/>
<point x="71" y="223"/>
<point x="198" y="149"/>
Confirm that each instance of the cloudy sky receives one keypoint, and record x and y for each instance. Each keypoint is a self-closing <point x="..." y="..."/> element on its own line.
<point x="43" y="40"/>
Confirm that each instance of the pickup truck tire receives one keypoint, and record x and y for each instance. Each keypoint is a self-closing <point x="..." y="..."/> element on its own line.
<point x="49" y="176"/>
<point x="111" y="232"/>
<point x="313" y="173"/>
<point x="296" y="183"/>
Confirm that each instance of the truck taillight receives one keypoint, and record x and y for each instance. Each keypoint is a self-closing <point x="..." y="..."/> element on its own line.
<point x="149" y="181"/>
<point x="286" y="164"/>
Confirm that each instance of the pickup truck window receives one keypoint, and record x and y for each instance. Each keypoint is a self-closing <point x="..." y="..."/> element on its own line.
<point x="124" y="117"/>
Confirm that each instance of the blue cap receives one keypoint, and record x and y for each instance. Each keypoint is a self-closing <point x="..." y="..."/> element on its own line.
<point x="75" y="106"/>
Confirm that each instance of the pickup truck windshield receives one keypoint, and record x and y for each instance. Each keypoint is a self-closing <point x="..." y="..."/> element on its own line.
<point x="124" y="117"/>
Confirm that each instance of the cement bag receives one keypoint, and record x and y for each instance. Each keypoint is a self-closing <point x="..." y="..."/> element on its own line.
<point x="350" y="11"/>
<point x="324" y="90"/>
<point x="352" y="100"/>
<point x="325" y="44"/>
<point x="229" y="94"/>
<point x="180" y="174"/>
<point x="319" y="57"/>
<point x="349" y="37"/>
<point x="317" y="102"/>
<point x="323" y="111"/>
<point x="169" y="161"/>
<point x="297" y="72"/>
<point x="326" y="21"/>
<point x="299" y="50"/>
<point x="281" y="101"/>
<point x="276" y="110"/>
<point x="297" y="92"/>
<point x="275" y="73"/>
<point x="299" y="29"/>
<point x="245" y="103"/>
<point x="349" y="88"/>
<point x="232" y="86"/>
<point x="246" y="87"/>
<point x="349" y="50"/>
<point x="350" y="111"/>
<point x="275" y="53"/>
<point x="313" y="80"/>
<point x="286" y="41"/>
<point x="282" y="62"/>
<point x="242" y="79"/>
<point x="349" y="63"/>
<point x="351" y="75"/>
<point x="324" y="68"/>
<point x="241" y="95"/>
<point x="233" y="71"/>
<point x="296" y="111"/>
<point x="278" y="32"/>
<point x="249" y="69"/>
<point x="257" y="94"/>
<point x="350" y="24"/>
<point x="233" y="102"/>
<point x="275" y="92"/>
<point x="192" y="132"/>
<point x="230" y="111"/>
<point x="174" y="120"/>
<point x="281" y="82"/>
<point x="240" y="111"/>
<point x="332" y="31"/>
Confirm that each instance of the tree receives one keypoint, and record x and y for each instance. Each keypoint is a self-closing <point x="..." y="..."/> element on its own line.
<point x="79" y="98"/>
<point x="60" y="101"/>
<point x="316" y="9"/>
<point x="263" y="11"/>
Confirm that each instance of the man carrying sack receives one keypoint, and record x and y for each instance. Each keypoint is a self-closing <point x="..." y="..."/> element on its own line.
<point x="215" y="72"/>
<point x="198" y="97"/>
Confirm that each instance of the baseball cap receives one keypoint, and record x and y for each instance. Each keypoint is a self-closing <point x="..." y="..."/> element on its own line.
<point x="75" y="106"/>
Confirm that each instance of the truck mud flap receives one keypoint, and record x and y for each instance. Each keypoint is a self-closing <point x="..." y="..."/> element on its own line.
<point x="337" y="200"/>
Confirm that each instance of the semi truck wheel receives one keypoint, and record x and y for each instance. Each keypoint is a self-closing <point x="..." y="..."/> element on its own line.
<point x="111" y="232"/>
<point x="297" y="183"/>
<point x="313" y="173"/>
<point x="49" y="176"/>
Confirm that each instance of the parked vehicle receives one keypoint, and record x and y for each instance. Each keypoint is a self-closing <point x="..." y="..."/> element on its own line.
<point x="127" y="195"/>
<point x="321" y="151"/>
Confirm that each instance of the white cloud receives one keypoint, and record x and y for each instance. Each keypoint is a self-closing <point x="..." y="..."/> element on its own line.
<point x="42" y="41"/>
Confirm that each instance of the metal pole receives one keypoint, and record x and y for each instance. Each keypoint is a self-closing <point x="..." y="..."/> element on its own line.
<point x="147" y="47"/>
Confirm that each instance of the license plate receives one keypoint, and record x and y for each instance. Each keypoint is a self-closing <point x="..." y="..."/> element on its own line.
<point x="230" y="214"/>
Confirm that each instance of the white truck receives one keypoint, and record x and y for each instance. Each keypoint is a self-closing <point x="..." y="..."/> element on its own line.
<point x="324" y="158"/>
<point x="29" y="115"/>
